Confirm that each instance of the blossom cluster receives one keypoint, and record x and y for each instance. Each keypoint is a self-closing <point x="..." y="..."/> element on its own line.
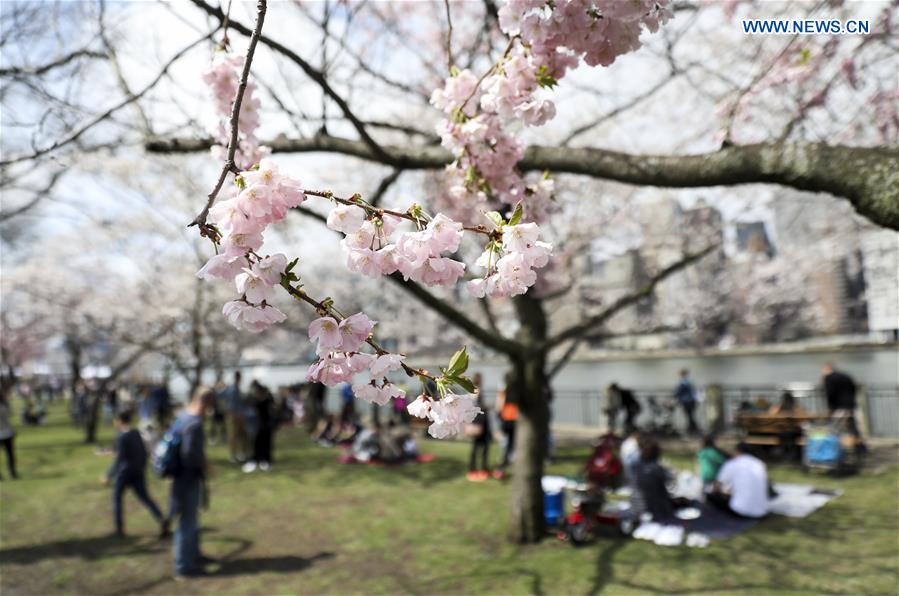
<point x="417" y="255"/>
<point x="223" y="78"/>
<point x="552" y="37"/>
<point x="337" y="346"/>
<point x="264" y="197"/>
<point x="598" y="31"/>
<point x="448" y="416"/>
<point x="510" y="265"/>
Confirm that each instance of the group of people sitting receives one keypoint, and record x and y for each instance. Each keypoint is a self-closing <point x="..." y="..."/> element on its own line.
<point x="734" y="483"/>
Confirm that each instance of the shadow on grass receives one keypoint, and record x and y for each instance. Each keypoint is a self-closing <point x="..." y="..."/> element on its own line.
<point x="88" y="549"/>
<point x="279" y="564"/>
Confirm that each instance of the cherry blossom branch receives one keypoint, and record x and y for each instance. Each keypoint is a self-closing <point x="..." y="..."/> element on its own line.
<point x="326" y="309"/>
<point x="493" y="340"/>
<point x="229" y="166"/>
<point x="316" y="75"/>
<point x="357" y="201"/>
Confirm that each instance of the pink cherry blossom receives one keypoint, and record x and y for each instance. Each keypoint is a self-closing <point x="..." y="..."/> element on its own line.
<point x="354" y="330"/>
<point x="254" y="287"/>
<point x="325" y="331"/>
<point x="224" y="266"/>
<point x="345" y="218"/>
<point x="385" y="363"/>
<point x="252" y="318"/>
<point x="270" y="268"/>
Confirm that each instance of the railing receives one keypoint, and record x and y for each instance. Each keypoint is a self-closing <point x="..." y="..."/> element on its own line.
<point x="878" y="405"/>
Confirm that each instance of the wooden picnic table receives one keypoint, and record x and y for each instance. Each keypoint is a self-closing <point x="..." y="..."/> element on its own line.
<point x="775" y="429"/>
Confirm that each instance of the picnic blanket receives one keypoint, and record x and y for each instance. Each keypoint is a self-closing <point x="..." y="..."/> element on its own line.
<point x="792" y="500"/>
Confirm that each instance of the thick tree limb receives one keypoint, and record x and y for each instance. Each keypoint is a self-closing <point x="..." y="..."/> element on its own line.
<point x="458" y="318"/>
<point x="584" y="327"/>
<point x="867" y="176"/>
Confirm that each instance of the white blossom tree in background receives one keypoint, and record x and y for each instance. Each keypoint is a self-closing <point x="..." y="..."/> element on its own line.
<point x="548" y="115"/>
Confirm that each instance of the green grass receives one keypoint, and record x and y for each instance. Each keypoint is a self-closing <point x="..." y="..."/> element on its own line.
<point x="313" y="526"/>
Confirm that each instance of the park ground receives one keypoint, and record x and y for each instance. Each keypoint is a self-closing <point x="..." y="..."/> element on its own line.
<point x="314" y="526"/>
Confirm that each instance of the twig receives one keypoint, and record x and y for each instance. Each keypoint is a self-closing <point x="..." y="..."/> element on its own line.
<point x="128" y="100"/>
<point x="449" y="37"/>
<point x="229" y="166"/>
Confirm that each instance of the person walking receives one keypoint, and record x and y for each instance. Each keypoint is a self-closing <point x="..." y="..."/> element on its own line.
<point x="8" y="434"/>
<point x="264" y="403"/>
<point x="840" y="390"/>
<point x="188" y="483"/>
<point x="480" y="433"/>
<point x="611" y="406"/>
<point x="685" y="394"/>
<point x="129" y="471"/>
<point x="234" y="410"/>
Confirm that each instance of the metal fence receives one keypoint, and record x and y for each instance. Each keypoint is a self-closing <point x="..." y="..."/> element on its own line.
<point x="878" y="405"/>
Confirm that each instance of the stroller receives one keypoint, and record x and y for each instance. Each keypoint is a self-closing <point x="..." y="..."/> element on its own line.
<point x="831" y="446"/>
<point x="602" y="471"/>
<point x="662" y="423"/>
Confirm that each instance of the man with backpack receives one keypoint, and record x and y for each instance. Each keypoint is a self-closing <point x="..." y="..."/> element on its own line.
<point x="188" y="480"/>
<point x="129" y="470"/>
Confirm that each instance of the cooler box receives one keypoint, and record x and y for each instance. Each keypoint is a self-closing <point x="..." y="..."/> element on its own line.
<point x="554" y="499"/>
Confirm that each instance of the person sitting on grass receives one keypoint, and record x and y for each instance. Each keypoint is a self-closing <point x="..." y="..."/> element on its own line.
<point x="710" y="459"/>
<point x="652" y="480"/>
<point x="741" y="488"/>
<point x="129" y="470"/>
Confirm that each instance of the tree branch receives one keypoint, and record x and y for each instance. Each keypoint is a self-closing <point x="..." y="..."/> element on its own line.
<point x="583" y="328"/>
<point x="233" y="124"/>
<point x="867" y="176"/>
<point x="312" y="72"/>
<point x="98" y="119"/>
<point x="457" y="317"/>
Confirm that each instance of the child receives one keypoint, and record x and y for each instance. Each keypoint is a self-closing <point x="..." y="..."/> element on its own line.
<point x="129" y="470"/>
<point x="710" y="461"/>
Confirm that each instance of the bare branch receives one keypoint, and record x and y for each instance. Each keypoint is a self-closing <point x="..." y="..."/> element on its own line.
<point x="584" y="327"/>
<point x="98" y="119"/>
<point x="17" y="71"/>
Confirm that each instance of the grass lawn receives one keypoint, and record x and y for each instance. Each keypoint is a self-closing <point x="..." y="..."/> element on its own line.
<point x="314" y="526"/>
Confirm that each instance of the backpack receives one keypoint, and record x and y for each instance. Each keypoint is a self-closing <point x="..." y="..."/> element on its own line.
<point x="167" y="455"/>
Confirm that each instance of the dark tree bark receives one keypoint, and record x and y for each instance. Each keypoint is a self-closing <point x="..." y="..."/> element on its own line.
<point x="529" y="380"/>
<point x="867" y="176"/>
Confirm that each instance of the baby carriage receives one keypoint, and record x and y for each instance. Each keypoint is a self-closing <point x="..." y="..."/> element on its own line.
<point x="603" y="471"/>
<point x="662" y="423"/>
<point x="830" y="445"/>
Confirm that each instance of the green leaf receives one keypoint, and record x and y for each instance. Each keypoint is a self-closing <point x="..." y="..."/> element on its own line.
<point x="496" y="218"/>
<point x="291" y="265"/>
<point x="465" y="383"/>
<point x="516" y="215"/>
<point x="458" y="364"/>
<point x="544" y="79"/>
<point x="454" y="72"/>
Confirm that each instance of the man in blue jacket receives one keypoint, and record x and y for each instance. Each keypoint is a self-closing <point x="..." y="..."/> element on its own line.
<point x="685" y="394"/>
<point x="188" y="483"/>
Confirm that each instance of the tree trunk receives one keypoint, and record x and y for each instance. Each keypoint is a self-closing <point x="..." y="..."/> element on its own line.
<point x="528" y="389"/>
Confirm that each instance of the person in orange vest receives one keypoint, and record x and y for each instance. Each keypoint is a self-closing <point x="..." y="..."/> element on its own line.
<point x="508" y="415"/>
